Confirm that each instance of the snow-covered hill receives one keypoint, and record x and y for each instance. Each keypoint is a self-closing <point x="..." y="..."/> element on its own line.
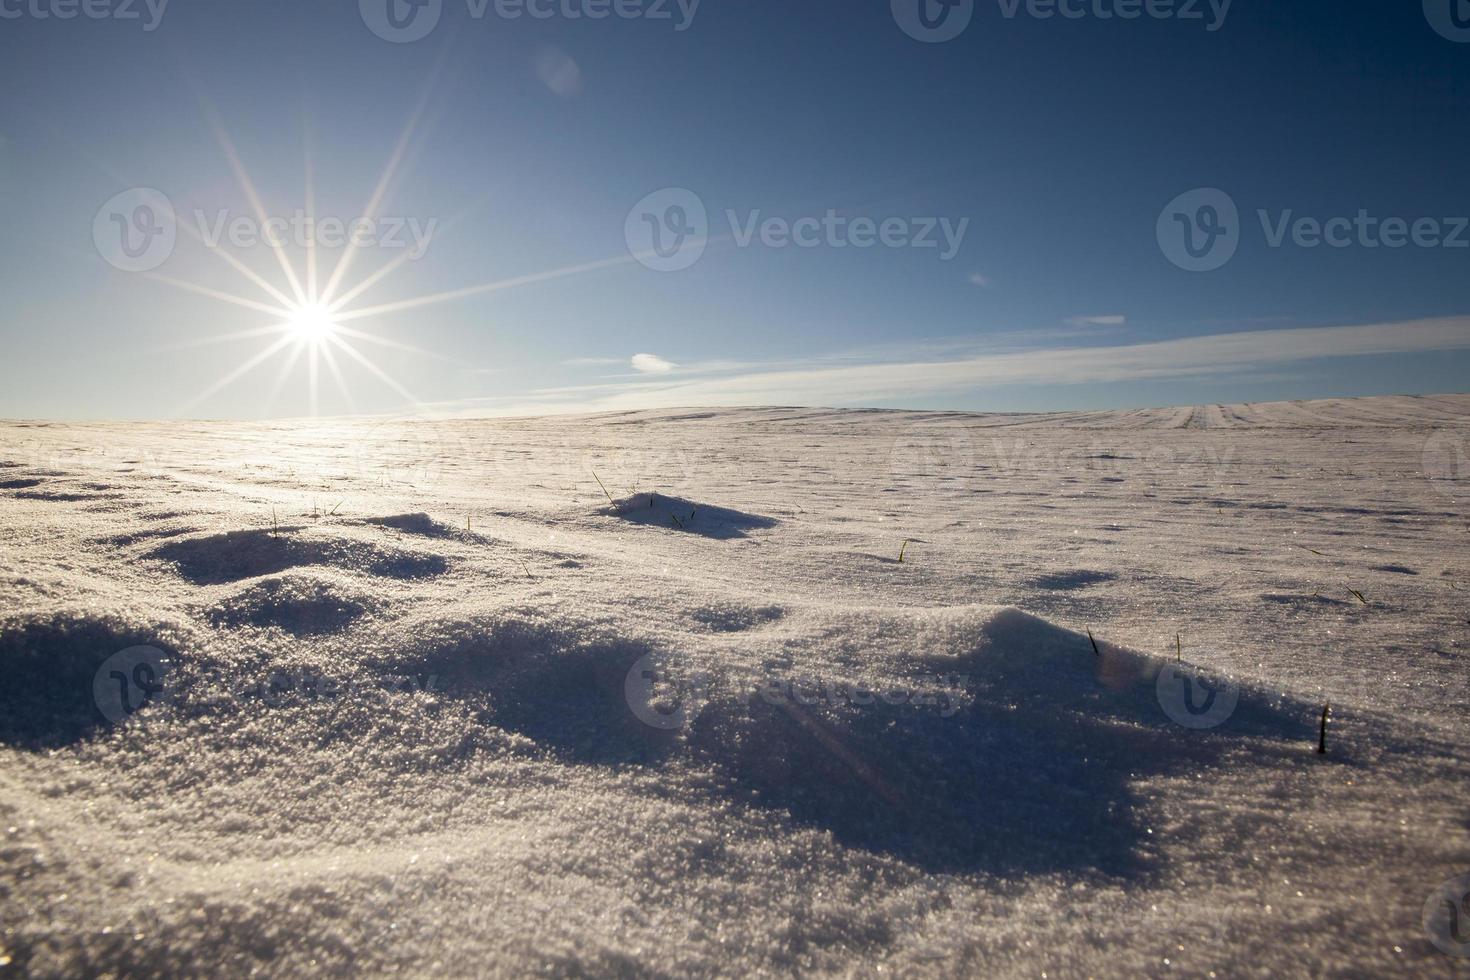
<point x="737" y="692"/>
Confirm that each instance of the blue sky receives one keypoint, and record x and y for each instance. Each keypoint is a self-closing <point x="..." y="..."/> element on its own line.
<point x="1057" y="145"/>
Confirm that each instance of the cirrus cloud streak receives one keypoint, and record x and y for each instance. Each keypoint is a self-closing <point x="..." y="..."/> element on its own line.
<point x="838" y="382"/>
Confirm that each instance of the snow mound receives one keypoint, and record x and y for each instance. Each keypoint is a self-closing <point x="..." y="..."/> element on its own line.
<point x="994" y="740"/>
<point x="236" y="555"/>
<point x="51" y="662"/>
<point x="420" y="524"/>
<point x="303" y="605"/>
<point x="957" y="739"/>
<point x="678" y="514"/>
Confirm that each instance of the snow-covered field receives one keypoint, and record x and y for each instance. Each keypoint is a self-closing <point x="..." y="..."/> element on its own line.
<point x="417" y="698"/>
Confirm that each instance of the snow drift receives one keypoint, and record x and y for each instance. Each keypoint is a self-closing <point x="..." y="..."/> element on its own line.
<point x="490" y="722"/>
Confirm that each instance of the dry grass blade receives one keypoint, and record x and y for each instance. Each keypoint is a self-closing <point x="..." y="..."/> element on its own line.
<point x="604" y="488"/>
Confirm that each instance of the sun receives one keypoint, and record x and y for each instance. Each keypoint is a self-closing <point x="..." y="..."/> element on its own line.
<point x="314" y="320"/>
<point x="312" y="323"/>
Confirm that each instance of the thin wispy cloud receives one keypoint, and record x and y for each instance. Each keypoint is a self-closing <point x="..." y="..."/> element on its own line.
<point x="593" y="361"/>
<point x="839" y="381"/>
<point x="1112" y="320"/>
<point x="977" y="279"/>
